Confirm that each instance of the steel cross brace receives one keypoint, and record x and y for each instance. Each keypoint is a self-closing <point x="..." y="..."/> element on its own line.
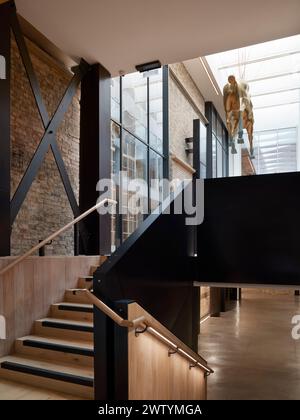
<point x="50" y="125"/>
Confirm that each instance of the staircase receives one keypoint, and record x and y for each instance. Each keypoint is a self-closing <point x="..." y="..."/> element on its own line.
<point x="59" y="354"/>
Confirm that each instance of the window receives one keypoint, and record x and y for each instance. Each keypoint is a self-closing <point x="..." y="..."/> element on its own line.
<point x="156" y="176"/>
<point x="214" y="156"/>
<point x="217" y="144"/>
<point x="115" y="153"/>
<point x="220" y="173"/>
<point x="137" y="148"/>
<point x="134" y="103"/>
<point x="156" y="110"/>
<point x="134" y="183"/>
<point x="115" y="99"/>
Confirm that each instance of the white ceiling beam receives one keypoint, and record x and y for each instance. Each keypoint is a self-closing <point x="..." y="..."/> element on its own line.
<point x="259" y="60"/>
<point x="273" y="76"/>
<point x="275" y="92"/>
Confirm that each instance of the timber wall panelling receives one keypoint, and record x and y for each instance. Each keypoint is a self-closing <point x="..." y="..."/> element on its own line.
<point x="28" y="290"/>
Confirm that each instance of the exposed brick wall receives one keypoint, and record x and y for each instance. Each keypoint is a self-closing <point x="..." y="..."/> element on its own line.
<point x="46" y="207"/>
<point x="247" y="165"/>
<point x="189" y="85"/>
<point x="185" y="104"/>
<point x="180" y="170"/>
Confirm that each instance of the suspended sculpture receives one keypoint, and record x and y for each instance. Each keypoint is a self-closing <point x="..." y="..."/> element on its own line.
<point x="239" y="112"/>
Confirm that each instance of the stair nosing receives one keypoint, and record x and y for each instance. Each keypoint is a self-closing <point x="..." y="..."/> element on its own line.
<point x="46" y="373"/>
<point x="73" y="326"/>
<point x="58" y="347"/>
<point x="73" y="308"/>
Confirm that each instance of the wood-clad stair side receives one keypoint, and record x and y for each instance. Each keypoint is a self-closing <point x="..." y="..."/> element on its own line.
<point x="59" y="354"/>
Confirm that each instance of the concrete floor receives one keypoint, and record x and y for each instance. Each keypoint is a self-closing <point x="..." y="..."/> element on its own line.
<point x="252" y="351"/>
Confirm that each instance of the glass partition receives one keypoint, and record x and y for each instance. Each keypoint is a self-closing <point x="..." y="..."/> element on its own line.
<point x="134" y="104"/>
<point x="217" y="144"/>
<point x="138" y="156"/>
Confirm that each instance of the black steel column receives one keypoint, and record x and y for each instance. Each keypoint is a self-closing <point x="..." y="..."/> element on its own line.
<point x="111" y="355"/>
<point x="166" y="151"/>
<point x="196" y="148"/>
<point x="95" y="155"/>
<point x="194" y="229"/>
<point x="5" y="227"/>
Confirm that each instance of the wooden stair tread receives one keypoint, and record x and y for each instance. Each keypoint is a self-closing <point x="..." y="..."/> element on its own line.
<point x="71" y="296"/>
<point x="59" y="355"/>
<point x="67" y="368"/>
<point x="60" y="341"/>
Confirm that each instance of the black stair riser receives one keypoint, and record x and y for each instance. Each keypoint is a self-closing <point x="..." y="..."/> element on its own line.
<point x="75" y="309"/>
<point x="59" y="376"/>
<point x="62" y="326"/>
<point x="58" y="347"/>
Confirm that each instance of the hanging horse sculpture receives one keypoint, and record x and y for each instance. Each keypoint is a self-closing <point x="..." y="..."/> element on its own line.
<point x="239" y="112"/>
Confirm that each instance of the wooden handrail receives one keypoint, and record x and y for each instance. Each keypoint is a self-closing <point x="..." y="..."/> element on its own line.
<point x="109" y="312"/>
<point x="155" y="328"/>
<point x="57" y="233"/>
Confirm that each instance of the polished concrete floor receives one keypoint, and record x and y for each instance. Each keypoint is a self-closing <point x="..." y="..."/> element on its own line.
<point x="252" y="351"/>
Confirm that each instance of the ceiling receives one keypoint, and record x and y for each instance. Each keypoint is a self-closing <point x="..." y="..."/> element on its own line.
<point x="205" y="80"/>
<point x="120" y="34"/>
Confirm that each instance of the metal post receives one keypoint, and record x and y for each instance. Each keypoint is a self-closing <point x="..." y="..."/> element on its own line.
<point x="5" y="226"/>
<point x="95" y="155"/>
<point x="166" y="152"/>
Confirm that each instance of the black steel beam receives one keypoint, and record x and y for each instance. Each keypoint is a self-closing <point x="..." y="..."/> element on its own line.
<point x="29" y="69"/>
<point x="45" y="143"/>
<point x="50" y="126"/>
<point x="71" y="196"/>
<point x="65" y="178"/>
<point x="5" y="230"/>
<point x="95" y="154"/>
<point x="166" y="150"/>
<point x="209" y="160"/>
<point x="196" y="148"/>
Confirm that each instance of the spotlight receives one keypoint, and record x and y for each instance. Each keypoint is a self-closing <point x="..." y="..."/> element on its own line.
<point x="142" y="68"/>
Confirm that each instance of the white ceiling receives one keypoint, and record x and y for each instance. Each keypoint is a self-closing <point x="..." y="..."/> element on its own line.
<point x="204" y="79"/>
<point x="120" y="34"/>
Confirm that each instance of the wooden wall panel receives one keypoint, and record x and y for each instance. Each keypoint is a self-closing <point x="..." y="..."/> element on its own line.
<point x="152" y="374"/>
<point x="28" y="290"/>
<point x="204" y="301"/>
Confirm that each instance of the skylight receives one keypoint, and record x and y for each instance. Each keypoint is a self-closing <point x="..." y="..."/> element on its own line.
<point x="272" y="70"/>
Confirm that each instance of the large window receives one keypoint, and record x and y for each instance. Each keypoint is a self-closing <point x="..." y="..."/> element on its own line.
<point x="217" y="144"/>
<point x="138" y="150"/>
